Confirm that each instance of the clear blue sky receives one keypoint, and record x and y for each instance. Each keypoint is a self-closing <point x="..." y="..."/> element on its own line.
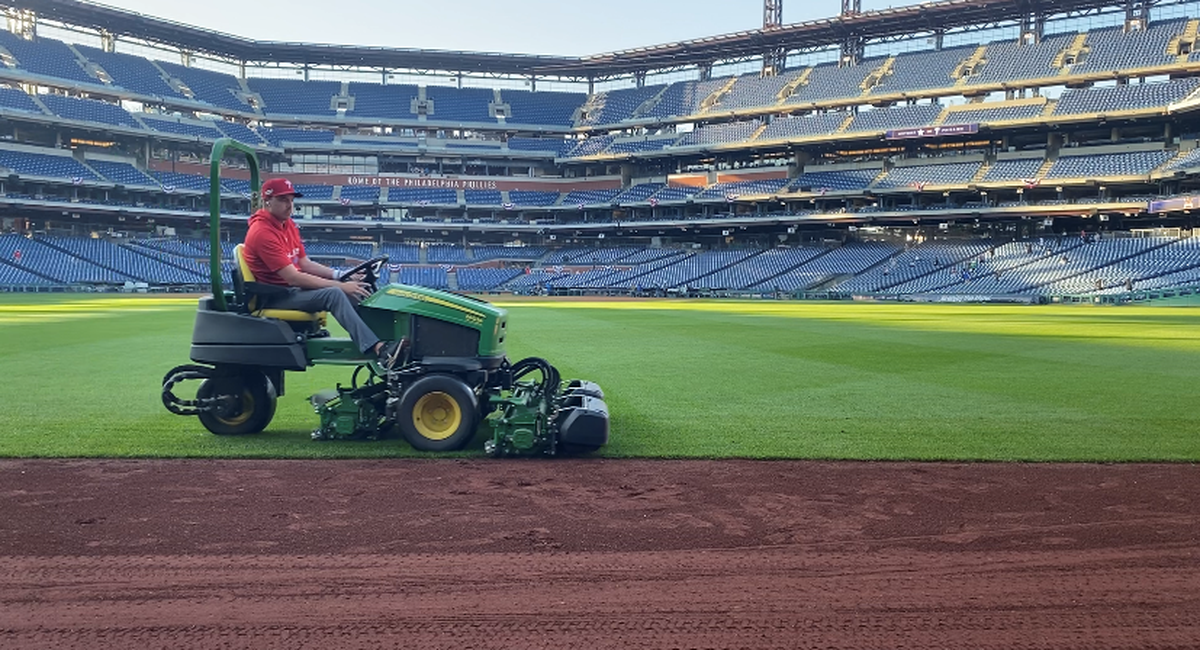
<point x="512" y="26"/>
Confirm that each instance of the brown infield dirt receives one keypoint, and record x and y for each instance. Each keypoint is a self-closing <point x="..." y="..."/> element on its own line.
<point x="597" y="554"/>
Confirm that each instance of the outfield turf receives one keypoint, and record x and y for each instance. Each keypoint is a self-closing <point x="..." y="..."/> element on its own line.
<point x="80" y="376"/>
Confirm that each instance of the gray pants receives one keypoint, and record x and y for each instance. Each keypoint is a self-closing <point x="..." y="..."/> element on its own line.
<point x="335" y="301"/>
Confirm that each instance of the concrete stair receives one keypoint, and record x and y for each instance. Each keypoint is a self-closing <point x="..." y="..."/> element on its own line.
<point x="757" y="132"/>
<point x="963" y="72"/>
<point x="877" y="75"/>
<point x="1045" y="168"/>
<point x="983" y="171"/>
<point x="1071" y="53"/>
<point x="790" y="88"/>
<point x="1183" y="45"/>
<point x="845" y="124"/>
<point x="91" y="67"/>
<point x="650" y="103"/>
<point x="709" y="102"/>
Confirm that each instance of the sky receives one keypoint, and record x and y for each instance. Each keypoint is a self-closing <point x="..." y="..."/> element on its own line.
<point x="509" y="26"/>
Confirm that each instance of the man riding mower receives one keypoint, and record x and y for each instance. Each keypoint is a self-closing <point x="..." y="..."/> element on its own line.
<point x="442" y="371"/>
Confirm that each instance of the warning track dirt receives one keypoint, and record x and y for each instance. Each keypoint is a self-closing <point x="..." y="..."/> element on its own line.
<point x="598" y="554"/>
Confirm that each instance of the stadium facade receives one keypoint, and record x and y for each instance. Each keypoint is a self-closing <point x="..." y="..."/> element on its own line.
<point x="975" y="123"/>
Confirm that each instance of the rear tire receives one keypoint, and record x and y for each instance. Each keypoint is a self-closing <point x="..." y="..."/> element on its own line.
<point x="251" y="411"/>
<point x="438" y="413"/>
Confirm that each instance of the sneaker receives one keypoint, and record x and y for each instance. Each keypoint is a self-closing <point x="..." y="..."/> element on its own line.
<point x="393" y="353"/>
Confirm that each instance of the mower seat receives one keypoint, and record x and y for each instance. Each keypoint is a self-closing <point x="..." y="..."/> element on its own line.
<point x="250" y="298"/>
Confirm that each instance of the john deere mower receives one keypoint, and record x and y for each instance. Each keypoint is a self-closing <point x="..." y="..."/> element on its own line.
<point x="455" y="376"/>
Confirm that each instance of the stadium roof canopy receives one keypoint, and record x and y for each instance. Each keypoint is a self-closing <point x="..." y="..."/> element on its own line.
<point x="886" y="23"/>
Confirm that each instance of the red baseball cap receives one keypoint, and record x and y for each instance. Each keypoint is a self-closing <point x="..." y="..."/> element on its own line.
<point x="279" y="187"/>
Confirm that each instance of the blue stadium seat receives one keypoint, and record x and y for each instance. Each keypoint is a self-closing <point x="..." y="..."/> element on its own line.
<point x="1120" y="98"/>
<point x="899" y="117"/>
<point x="816" y="125"/>
<point x="45" y="165"/>
<point x="89" y="110"/>
<point x="719" y="133"/>
<point x="296" y="97"/>
<point x="131" y="72"/>
<point x="386" y="102"/>
<point x="208" y="86"/>
<point x="460" y="104"/>
<point x="1010" y="61"/>
<point x="165" y="125"/>
<point x="17" y="99"/>
<point x="542" y="108"/>
<point x="122" y="173"/>
<point x="615" y="106"/>
<point x="46" y="57"/>
<point x="754" y="90"/>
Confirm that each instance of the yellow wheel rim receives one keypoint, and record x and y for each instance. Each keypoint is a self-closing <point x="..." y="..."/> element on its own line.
<point x="247" y="409"/>
<point x="436" y="415"/>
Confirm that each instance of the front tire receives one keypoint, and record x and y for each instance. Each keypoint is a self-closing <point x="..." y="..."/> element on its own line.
<point x="438" y="413"/>
<point x="250" y="410"/>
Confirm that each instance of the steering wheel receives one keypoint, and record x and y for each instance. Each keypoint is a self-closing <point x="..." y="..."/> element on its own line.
<point x="370" y="270"/>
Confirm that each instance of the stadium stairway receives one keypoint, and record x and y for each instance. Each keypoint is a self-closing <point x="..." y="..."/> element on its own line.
<point x="30" y="271"/>
<point x="165" y="258"/>
<point x="258" y="104"/>
<point x="716" y="96"/>
<point x="1070" y="55"/>
<point x="950" y="262"/>
<point x="832" y="282"/>
<point x="38" y="100"/>
<point x="1051" y="158"/>
<point x="649" y="104"/>
<point x="941" y="118"/>
<point x="962" y="74"/>
<point x="983" y="170"/>
<point x="593" y="106"/>
<point x="789" y="89"/>
<point x="733" y="263"/>
<point x="1183" y="45"/>
<point x="796" y="266"/>
<point x="876" y="76"/>
<point x="1009" y="269"/>
<point x="452" y="280"/>
<point x="175" y="83"/>
<point x="1108" y="263"/>
<point x="106" y="267"/>
<point x="91" y="67"/>
<point x="845" y="123"/>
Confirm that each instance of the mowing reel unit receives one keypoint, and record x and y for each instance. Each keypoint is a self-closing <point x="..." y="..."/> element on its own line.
<point x="542" y="416"/>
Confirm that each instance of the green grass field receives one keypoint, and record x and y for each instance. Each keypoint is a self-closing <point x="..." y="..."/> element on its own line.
<point x="80" y="377"/>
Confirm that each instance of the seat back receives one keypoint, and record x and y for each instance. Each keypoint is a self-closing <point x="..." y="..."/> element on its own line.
<point x="241" y="275"/>
<point x="247" y="290"/>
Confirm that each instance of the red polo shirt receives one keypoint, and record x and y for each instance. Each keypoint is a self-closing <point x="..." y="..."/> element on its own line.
<point x="270" y="246"/>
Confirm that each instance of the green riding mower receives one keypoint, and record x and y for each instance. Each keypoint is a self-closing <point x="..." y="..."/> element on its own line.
<point x="454" y="377"/>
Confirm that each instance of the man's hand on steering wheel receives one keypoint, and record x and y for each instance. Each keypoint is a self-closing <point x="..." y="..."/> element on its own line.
<point x="366" y="272"/>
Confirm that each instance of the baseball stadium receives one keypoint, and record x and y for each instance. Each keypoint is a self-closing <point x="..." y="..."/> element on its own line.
<point x="864" y="331"/>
